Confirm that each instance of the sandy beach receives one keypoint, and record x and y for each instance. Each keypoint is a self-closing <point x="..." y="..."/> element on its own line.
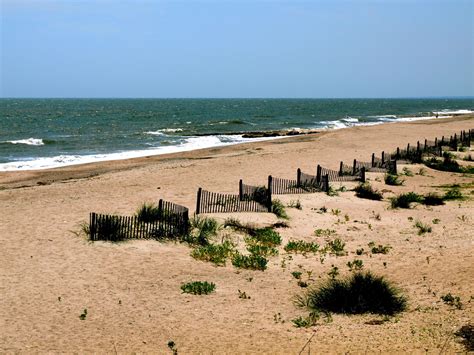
<point x="50" y="273"/>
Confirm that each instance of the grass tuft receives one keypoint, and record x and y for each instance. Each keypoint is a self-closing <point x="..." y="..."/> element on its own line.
<point x="252" y="262"/>
<point x="433" y="199"/>
<point x="300" y="246"/>
<point x="148" y="212"/>
<point x="204" y="228"/>
<point x="278" y="208"/>
<point x="422" y="228"/>
<point x="404" y="200"/>
<point x="214" y="253"/>
<point x="359" y="293"/>
<point x="365" y="190"/>
<point x="394" y="180"/>
<point x="198" y="287"/>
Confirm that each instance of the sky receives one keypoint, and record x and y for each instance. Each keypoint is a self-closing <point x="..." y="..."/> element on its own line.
<point x="244" y="49"/>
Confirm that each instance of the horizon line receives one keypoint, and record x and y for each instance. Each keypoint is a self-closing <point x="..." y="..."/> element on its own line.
<point x="236" y="98"/>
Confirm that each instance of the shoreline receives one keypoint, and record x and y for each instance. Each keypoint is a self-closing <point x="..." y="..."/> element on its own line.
<point x="50" y="163"/>
<point x="22" y="178"/>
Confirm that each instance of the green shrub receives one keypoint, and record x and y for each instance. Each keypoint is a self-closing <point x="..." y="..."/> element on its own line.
<point x="324" y="232"/>
<point x="466" y="332"/>
<point x="422" y="228"/>
<point x="446" y="164"/>
<point x="300" y="246"/>
<point x="451" y="300"/>
<point x="454" y="193"/>
<point x="357" y="294"/>
<point x="336" y="247"/>
<point x="262" y="250"/>
<point x="252" y="261"/>
<point x="365" y="190"/>
<point x="394" y="180"/>
<point x="205" y="228"/>
<point x="433" y="199"/>
<point x="379" y="249"/>
<point x="296" y="274"/>
<point x="198" y="287"/>
<point x="148" y="212"/>
<point x="295" y="204"/>
<point x="404" y="200"/>
<point x="407" y="172"/>
<point x="264" y="236"/>
<point x="356" y="264"/>
<point x="306" y="322"/>
<point x="278" y="208"/>
<point x="214" y="253"/>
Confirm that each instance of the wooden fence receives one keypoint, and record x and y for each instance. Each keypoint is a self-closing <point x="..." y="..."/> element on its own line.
<point x="170" y="221"/>
<point x="345" y="173"/>
<point x="304" y="183"/>
<point x="248" y="200"/>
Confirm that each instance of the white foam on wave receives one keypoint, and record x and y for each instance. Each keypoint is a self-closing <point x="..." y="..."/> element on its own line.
<point x="161" y="132"/>
<point x="350" y="119"/>
<point x="453" y="112"/>
<point x="191" y="143"/>
<point x="28" y="141"/>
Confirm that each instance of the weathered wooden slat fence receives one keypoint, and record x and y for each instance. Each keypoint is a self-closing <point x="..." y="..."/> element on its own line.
<point x="303" y="184"/>
<point x="172" y="221"/>
<point x="345" y="173"/>
<point x="248" y="200"/>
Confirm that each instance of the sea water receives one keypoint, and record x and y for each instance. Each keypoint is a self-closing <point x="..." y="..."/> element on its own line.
<point x="47" y="133"/>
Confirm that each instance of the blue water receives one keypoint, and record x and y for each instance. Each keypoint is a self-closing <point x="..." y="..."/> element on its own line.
<point x="43" y="133"/>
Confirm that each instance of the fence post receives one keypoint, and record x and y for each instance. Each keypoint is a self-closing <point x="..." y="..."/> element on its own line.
<point x="395" y="167"/>
<point x="298" y="177"/>
<point x="185" y="227"/>
<point x="362" y="174"/>
<point x="418" y="146"/>
<point x="426" y="143"/>
<point x="383" y="158"/>
<point x="408" y="148"/>
<point x="318" y="174"/>
<point x="198" y="203"/>
<point x="269" y="190"/>
<point x="373" y="160"/>
<point x="241" y="192"/>
<point x="354" y="167"/>
<point x="398" y="153"/>
<point x="326" y="182"/>
<point x="92" y="225"/>
<point x="340" y="169"/>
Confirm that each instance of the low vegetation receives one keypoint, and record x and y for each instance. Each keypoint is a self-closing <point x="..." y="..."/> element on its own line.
<point x="214" y="253"/>
<point x="366" y="190"/>
<point x="404" y="200"/>
<point x="300" y="246"/>
<point x="252" y="261"/>
<point x="433" y="199"/>
<point x="202" y="229"/>
<point x="335" y="247"/>
<point x="359" y="293"/>
<point x="452" y="300"/>
<point x="466" y="332"/>
<point x="394" y="180"/>
<point x="148" y="212"/>
<point x="278" y="208"/>
<point x="198" y="287"/>
<point x="422" y="228"/>
<point x="379" y="249"/>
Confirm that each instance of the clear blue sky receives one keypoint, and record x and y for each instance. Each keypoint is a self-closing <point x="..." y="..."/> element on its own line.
<point x="327" y="48"/>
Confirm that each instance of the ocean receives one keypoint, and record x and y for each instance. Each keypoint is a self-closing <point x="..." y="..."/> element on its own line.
<point x="48" y="133"/>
